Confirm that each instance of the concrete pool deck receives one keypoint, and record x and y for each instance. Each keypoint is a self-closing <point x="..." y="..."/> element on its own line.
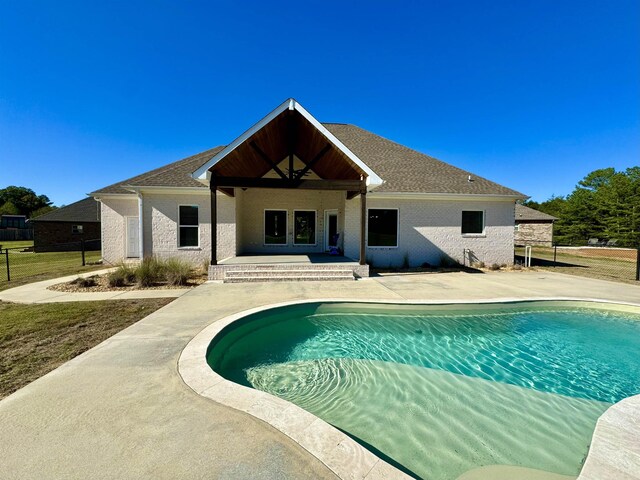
<point x="121" y="409"/>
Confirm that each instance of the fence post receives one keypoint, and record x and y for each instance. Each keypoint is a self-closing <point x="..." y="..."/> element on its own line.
<point x="555" y="253"/>
<point x="6" y="253"/>
<point x="637" y="264"/>
<point x="82" y="247"/>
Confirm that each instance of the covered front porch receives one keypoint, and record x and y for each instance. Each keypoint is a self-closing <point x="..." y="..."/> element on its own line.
<point x="290" y="179"/>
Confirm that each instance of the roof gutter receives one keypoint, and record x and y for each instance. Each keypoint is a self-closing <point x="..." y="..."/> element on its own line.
<point x="448" y="196"/>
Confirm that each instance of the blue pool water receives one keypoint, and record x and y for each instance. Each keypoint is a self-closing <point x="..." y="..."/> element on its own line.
<point x="444" y="390"/>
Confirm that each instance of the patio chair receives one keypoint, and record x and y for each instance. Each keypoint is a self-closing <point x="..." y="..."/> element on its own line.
<point x="612" y="242"/>
<point x="334" y="250"/>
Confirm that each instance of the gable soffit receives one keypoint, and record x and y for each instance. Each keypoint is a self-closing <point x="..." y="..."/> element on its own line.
<point x="288" y="133"/>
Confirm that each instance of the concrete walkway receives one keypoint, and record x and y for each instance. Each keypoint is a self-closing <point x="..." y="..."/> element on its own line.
<point x="121" y="410"/>
<point x="37" y="292"/>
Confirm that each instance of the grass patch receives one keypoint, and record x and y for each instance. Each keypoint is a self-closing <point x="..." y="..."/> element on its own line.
<point x="35" y="339"/>
<point x="29" y="267"/>
<point x="16" y="243"/>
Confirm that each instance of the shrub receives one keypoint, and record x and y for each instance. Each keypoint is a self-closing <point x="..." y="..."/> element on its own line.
<point x="478" y="265"/>
<point x="84" y="282"/>
<point x="204" y="267"/>
<point x="123" y="275"/>
<point x="494" y="266"/>
<point x="176" y="271"/>
<point x="405" y="261"/>
<point x="517" y="266"/>
<point x="150" y="271"/>
<point x="447" y="262"/>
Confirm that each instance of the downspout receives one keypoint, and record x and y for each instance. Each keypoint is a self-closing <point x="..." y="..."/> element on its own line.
<point x="140" y="227"/>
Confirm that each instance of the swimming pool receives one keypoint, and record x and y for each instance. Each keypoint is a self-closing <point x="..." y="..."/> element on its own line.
<point x="442" y="390"/>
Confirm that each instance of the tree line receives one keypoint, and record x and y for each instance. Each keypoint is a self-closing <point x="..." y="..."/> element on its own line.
<point x="605" y="204"/>
<point x="23" y="201"/>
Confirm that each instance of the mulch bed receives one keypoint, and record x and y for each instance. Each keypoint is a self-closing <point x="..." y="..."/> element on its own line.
<point x="102" y="285"/>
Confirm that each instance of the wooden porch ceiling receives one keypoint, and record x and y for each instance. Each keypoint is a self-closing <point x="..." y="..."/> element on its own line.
<point x="288" y="134"/>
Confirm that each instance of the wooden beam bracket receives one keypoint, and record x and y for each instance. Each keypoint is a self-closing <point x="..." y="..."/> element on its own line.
<point x="272" y="164"/>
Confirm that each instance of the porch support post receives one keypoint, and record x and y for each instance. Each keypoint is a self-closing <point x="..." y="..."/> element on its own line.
<point x="214" y="221"/>
<point x="363" y="223"/>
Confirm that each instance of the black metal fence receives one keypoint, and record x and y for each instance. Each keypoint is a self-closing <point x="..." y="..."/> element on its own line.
<point x="608" y="263"/>
<point x="18" y="264"/>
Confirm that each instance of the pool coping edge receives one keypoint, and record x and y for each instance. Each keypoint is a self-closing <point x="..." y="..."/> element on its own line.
<point x="340" y="453"/>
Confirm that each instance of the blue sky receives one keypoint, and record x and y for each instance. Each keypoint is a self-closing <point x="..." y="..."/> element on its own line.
<point x="533" y="95"/>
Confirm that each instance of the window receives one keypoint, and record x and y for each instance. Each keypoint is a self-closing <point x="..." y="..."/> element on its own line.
<point x="382" y="229"/>
<point x="275" y="227"/>
<point x="304" y="227"/>
<point x="473" y="222"/>
<point x="77" y="229"/>
<point x="188" y="228"/>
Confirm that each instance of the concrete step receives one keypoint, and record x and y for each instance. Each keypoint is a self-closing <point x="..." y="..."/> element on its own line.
<point x="289" y="278"/>
<point x="287" y="273"/>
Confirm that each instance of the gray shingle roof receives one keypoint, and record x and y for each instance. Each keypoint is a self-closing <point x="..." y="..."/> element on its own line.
<point x="404" y="170"/>
<point x="176" y="174"/>
<point x="527" y="213"/>
<point x="83" y="211"/>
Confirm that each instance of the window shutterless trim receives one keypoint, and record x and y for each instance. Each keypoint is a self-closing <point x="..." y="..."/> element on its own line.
<point x="197" y="226"/>
<point x="483" y="233"/>
<point x="264" y="227"/>
<point x="315" y="228"/>
<point x="397" y="228"/>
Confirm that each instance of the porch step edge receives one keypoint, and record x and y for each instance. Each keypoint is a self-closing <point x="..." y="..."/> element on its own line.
<point x="252" y="279"/>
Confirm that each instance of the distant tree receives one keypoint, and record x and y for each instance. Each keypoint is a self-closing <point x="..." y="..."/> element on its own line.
<point x="8" y="208"/>
<point x="42" y="211"/>
<point x="604" y="204"/>
<point x="23" y="199"/>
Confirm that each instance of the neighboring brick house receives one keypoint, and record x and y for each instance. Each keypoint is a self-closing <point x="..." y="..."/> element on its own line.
<point x="63" y="228"/>
<point x="533" y="227"/>
<point x="293" y="185"/>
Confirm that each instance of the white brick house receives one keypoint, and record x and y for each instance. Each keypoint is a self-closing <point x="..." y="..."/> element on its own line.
<point x="291" y="185"/>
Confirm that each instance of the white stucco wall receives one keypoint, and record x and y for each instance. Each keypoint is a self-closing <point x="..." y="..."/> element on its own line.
<point x="113" y="213"/>
<point x="430" y="229"/>
<point x="253" y="202"/>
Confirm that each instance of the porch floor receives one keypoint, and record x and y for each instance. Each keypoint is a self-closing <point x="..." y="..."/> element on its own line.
<point x="307" y="259"/>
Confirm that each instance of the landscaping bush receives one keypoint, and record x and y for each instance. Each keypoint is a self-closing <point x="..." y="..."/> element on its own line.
<point x="447" y="262"/>
<point x="176" y="271"/>
<point x="84" y="282"/>
<point x="150" y="271"/>
<point x="494" y="266"/>
<point x="120" y="277"/>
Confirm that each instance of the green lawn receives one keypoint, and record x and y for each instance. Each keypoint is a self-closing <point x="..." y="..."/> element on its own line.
<point x="28" y="267"/>
<point x="35" y="339"/>
<point x="604" y="268"/>
<point x="16" y="243"/>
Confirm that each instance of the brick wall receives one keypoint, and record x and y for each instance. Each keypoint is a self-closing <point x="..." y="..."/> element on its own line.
<point x="113" y="213"/>
<point x="431" y="229"/>
<point x="253" y="202"/>
<point x="534" y="233"/>
<point x="48" y="234"/>
<point x="161" y="216"/>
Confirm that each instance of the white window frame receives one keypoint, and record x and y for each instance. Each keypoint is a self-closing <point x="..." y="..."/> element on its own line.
<point x="484" y="225"/>
<point x="315" y="230"/>
<point x="397" y="228"/>
<point x="286" y="227"/>
<point x="77" y="229"/>
<point x="190" y="247"/>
